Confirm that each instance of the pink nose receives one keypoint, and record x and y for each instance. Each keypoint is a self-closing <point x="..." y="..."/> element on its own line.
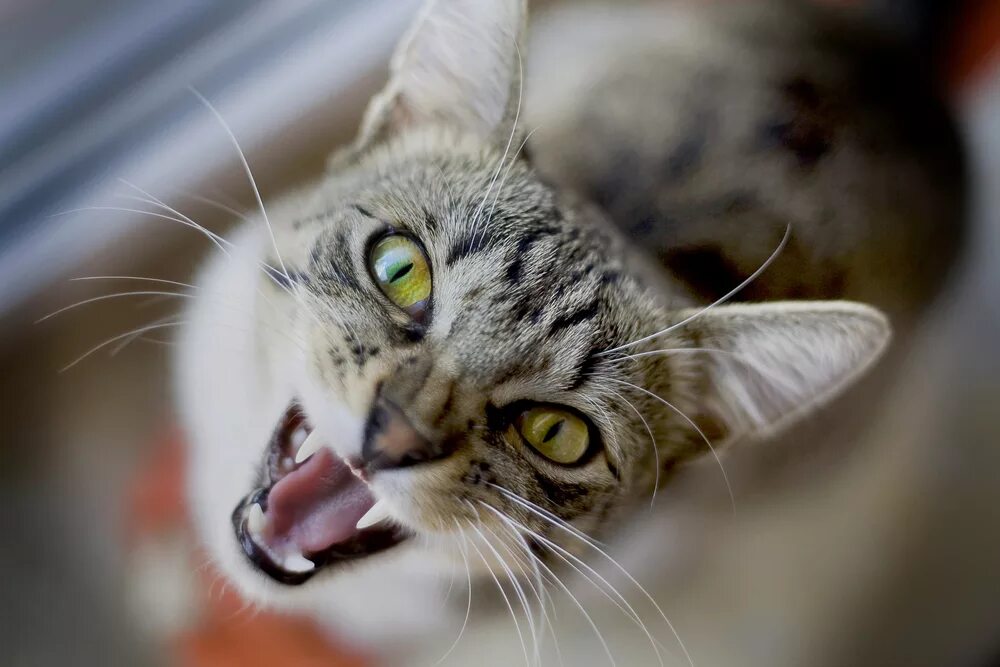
<point x="391" y="440"/>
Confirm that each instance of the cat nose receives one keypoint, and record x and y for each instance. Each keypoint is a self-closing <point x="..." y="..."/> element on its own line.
<point x="391" y="441"/>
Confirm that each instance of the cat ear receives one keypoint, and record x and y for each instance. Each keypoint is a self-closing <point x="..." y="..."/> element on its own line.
<point x="777" y="362"/>
<point x="460" y="65"/>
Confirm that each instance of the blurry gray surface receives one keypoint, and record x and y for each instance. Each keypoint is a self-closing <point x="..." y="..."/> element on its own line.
<point x="100" y="90"/>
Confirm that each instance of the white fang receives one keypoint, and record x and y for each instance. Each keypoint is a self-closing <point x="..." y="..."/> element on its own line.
<point x="378" y="512"/>
<point x="311" y="445"/>
<point x="297" y="563"/>
<point x="256" y="521"/>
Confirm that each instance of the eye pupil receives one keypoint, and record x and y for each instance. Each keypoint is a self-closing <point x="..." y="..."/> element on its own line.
<point x="553" y="430"/>
<point x="402" y="271"/>
<point x="400" y="268"/>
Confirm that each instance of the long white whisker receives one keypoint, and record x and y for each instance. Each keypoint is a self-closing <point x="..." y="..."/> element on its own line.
<point x="249" y="173"/>
<point x="540" y="591"/>
<point x="136" y="335"/>
<point x="503" y="593"/>
<point x="535" y="625"/>
<point x="105" y="297"/>
<point x="150" y="199"/>
<point x="652" y="439"/>
<point x="161" y="281"/>
<point x="212" y="236"/>
<point x="690" y="422"/>
<point x="468" y="607"/>
<point x="117" y="338"/>
<point x="567" y="557"/>
<point x="592" y="544"/>
<point x="522" y="598"/>
<point x="583" y="611"/>
<point x="506" y="150"/>
<point x="544" y="513"/>
<point x="728" y="295"/>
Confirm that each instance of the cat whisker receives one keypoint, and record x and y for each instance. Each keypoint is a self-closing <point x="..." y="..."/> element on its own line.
<point x="503" y="593"/>
<point x="115" y="339"/>
<point x="116" y="295"/>
<point x="266" y="268"/>
<point x="506" y="151"/>
<point x="217" y="240"/>
<point x="518" y="590"/>
<point x="135" y="336"/>
<point x="160" y="281"/>
<point x="748" y="362"/>
<point x="157" y="293"/>
<point x="545" y="514"/>
<point x="462" y="547"/>
<point x="238" y="214"/>
<point x="249" y="173"/>
<point x="537" y="626"/>
<point x="559" y="523"/>
<point x="506" y="174"/>
<point x="583" y="611"/>
<point x="540" y="580"/>
<point x="690" y="422"/>
<point x="569" y="559"/>
<point x="150" y="199"/>
<point x="652" y="439"/>
<point x="726" y="297"/>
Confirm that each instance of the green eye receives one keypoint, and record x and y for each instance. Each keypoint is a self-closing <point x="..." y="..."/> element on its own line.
<point x="402" y="272"/>
<point x="557" y="434"/>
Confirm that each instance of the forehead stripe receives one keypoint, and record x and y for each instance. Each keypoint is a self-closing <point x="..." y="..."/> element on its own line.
<point x="474" y="241"/>
<point x="579" y="316"/>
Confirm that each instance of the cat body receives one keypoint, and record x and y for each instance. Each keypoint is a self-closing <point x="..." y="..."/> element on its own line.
<point x="567" y="282"/>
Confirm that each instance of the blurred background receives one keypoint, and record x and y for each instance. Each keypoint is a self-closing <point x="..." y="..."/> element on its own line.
<point x="98" y="111"/>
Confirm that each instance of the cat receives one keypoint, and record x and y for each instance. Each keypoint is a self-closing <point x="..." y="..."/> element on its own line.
<point x="474" y="345"/>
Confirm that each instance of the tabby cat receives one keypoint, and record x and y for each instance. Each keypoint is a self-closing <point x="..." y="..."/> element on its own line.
<point x="490" y="332"/>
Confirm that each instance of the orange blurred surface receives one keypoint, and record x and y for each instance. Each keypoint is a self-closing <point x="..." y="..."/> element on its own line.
<point x="228" y="633"/>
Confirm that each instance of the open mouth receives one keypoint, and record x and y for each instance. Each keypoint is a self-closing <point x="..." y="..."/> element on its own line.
<point x="313" y="509"/>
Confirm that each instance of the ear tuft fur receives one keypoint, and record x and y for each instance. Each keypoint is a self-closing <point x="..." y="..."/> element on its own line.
<point x="460" y="65"/>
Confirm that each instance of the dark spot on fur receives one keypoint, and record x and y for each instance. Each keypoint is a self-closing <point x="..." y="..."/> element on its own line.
<point x="479" y="473"/>
<point x="475" y="241"/>
<point x="562" y="494"/>
<point x="585" y="368"/>
<point x="414" y="332"/>
<point x="430" y="221"/>
<point x="363" y="211"/>
<point x="610" y="277"/>
<point x="528" y="308"/>
<point x="580" y="316"/>
<point x="516" y="266"/>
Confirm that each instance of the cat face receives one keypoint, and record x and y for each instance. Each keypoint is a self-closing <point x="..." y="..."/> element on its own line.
<point x="455" y="354"/>
<point x="451" y="351"/>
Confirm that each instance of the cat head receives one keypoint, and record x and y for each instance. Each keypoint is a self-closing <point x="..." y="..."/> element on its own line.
<point x="466" y="354"/>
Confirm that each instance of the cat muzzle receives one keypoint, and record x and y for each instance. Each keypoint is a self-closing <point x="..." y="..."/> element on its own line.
<point x="392" y="441"/>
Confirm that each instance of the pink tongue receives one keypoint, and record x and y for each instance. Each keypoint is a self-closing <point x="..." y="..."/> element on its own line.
<point x="316" y="506"/>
